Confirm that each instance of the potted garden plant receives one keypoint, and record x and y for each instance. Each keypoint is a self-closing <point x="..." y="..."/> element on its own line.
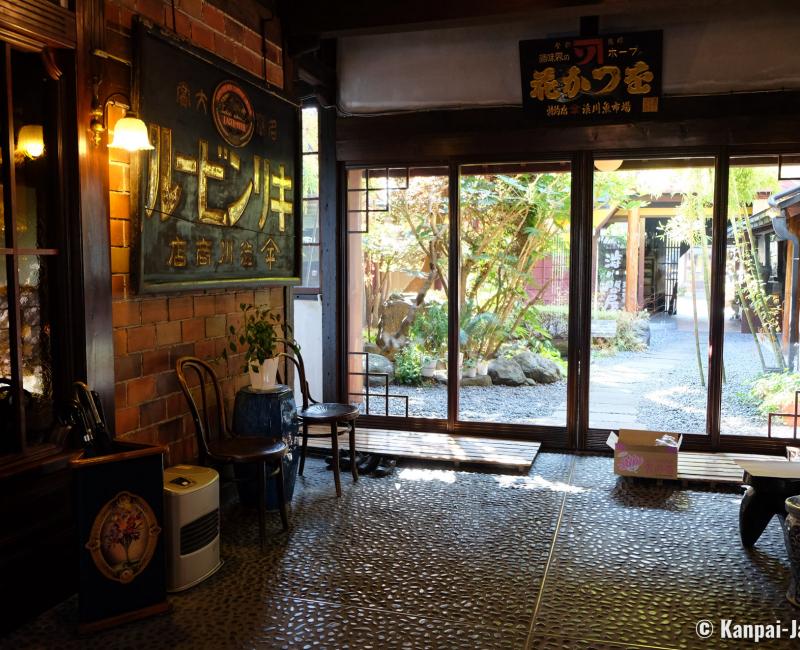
<point x="257" y="336"/>
<point x="469" y="368"/>
<point x="428" y="367"/>
<point x="482" y="367"/>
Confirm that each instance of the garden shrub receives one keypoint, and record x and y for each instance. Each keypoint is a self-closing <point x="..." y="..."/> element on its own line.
<point x="408" y="366"/>
<point x="430" y="327"/>
<point x="773" y="392"/>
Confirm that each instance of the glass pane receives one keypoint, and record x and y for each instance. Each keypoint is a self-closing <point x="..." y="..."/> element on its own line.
<point x="651" y="261"/>
<point x="310" y="121"/>
<point x="8" y="425"/>
<point x="397" y="291"/>
<point x="311" y="221"/>
<point x="37" y="360"/>
<point x="760" y="348"/>
<point x="310" y="176"/>
<point x="514" y="292"/>
<point x="311" y="267"/>
<point x="33" y="161"/>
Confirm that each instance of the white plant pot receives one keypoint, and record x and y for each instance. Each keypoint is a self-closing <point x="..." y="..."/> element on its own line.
<point x="468" y="372"/>
<point x="482" y="368"/>
<point x="428" y="369"/>
<point x="264" y="379"/>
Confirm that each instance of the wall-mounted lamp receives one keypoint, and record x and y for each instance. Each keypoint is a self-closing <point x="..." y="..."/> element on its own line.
<point x="607" y="165"/>
<point x="30" y="141"/>
<point x="130" y="133"/>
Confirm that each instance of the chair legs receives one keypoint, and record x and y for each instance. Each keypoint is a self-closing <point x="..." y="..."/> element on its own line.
<point x="335" y="461"/>
<point x="262" y="506"/>
<point x="282" y="497"/>
<point x="303" y="451"/>
<point x="353" y="464"/>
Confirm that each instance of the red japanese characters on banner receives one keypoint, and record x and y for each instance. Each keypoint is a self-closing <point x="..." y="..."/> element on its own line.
<point x="614" y="77"/>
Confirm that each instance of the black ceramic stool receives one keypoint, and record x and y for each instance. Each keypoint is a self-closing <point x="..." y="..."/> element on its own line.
<point x="270" y="414"/>
<point x="765" y="497"/>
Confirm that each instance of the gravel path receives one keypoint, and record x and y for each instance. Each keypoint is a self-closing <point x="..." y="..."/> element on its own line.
<point x="657" y="389"/>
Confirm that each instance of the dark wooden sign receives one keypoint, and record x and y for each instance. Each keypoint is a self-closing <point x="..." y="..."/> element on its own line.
<point x="614" y="77"/>
<point x="218" y="195"/>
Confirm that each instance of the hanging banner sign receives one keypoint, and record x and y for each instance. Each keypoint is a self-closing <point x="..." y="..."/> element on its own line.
<point x="609" y="78"/>
<point x="218" y="194"/>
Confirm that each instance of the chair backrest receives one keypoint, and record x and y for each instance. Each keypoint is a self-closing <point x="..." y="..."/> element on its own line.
<point x="209" y="417"/>
<point x="293" y="355"/>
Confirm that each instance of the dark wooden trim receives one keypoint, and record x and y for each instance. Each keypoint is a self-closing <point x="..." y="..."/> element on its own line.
<point x="717" y="307"/>
<point x="93" y="263"/>
<point x="125" y="451"/>
<point x="330" y="256"/>
<point x="685" y="122"/>
<point x="11" y="261"/>
<point x="453" y="297"/>
<point x="580" y="299"/>
<point x="35" y="24"/>
<point x="127" y="617"/>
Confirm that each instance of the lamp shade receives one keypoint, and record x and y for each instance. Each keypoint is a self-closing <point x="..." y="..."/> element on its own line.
<point x="130" y="133"/>
<point x="30" y="141"/>
<point x="607" y="165"/>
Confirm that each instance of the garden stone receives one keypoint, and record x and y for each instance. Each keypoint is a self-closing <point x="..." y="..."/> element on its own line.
<point x="506" y="372"/>
<point x="371" y="348"/>
<point x="440" y="376"/>
<point x="398" y="314"/>
<point x="480" y="380"/>
<point x="379" y="363"/>
<point x="529" y="382"/>
<point x="641" y="331"/>
<point x="541" y="369"/>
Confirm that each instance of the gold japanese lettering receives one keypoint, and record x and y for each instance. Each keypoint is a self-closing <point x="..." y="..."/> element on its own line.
<point x="614" y="75"/>
<point x="270" y="250"/>
<point x="203" y="249"/>
<point x="226" y="252"/>
<point x="282" y="205"/>
<point x="544" y="84"/>
<point x="169" y="192"/>
<point x="246" y="257"/>
<point x="177" y="255"/>
<point x="151" y="196"/>
<point x="638" y="77"/>
<point x="573" y="83"/>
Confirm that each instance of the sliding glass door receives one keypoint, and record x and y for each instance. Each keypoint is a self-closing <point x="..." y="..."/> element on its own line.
<point x="398" y="237"/>
<point x="513" y="293"/>
<point x="490" y="336"/>
<point x="761" y="376"/>
<point x="651" y="288"/>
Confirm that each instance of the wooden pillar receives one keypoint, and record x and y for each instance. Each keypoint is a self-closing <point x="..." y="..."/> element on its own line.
<point x="632" y="257"/>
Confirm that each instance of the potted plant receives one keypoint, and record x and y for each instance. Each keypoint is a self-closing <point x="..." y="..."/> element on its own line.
<point x="469" y="368"/>
<point x="428" y="367"/>
<point x="257" y="337"/>
<point x="482" y="367"/>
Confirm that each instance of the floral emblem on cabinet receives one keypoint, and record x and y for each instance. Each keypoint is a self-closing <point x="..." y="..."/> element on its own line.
<point x="123" y="537"/>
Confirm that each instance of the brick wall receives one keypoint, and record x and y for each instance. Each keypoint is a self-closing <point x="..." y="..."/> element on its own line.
<point x="151" y="332"/>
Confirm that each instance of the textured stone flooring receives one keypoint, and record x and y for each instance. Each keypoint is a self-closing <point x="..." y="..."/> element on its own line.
<point x="568" y="556"/>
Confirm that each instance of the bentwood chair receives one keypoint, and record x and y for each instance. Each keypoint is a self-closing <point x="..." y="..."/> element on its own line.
<point x="340" y="418"/>
<point x="217" y="444"/>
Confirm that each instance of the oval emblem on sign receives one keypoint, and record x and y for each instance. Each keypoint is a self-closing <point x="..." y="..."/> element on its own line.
<point x="123" y="537"/>
<point x="233" y="114"/>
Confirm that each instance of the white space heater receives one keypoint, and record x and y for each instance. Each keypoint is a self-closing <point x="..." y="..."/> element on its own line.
<point x="191" y="513"/>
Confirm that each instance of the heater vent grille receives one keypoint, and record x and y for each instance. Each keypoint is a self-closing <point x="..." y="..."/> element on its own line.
<point x="199" y="533"/>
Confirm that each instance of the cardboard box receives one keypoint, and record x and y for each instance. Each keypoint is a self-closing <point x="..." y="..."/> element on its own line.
<point x="652" y="454"/>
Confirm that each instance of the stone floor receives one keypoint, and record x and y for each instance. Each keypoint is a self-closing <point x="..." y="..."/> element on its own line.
<point x="568" y="556"/>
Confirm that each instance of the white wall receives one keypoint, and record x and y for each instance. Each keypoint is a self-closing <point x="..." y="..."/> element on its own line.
<point x="737" y="47"/>
<point x="308" y="332"/>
